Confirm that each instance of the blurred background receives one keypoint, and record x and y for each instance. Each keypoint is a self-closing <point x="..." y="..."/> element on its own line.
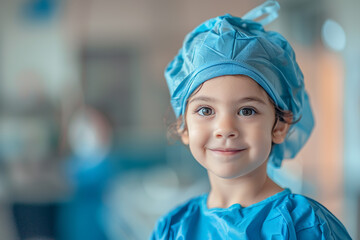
<point x="84" y="113"/>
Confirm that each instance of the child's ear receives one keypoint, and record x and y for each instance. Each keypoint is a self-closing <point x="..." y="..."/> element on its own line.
<point x="279" y="131"/>
<point x="184" y="134"/>
<point x="182" y="131"/>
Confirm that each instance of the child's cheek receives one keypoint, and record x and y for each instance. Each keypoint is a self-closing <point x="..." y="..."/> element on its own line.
<point x="198" y="131"/>
<point x="195" y="129"/>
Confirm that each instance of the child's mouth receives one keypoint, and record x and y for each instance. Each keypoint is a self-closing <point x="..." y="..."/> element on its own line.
<point x="226" y="151"/>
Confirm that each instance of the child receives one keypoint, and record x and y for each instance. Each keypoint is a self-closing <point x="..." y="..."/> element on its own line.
<point x="239" y="96"/>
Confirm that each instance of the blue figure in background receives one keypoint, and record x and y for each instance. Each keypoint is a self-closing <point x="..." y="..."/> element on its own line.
<point x="89" y="170"/>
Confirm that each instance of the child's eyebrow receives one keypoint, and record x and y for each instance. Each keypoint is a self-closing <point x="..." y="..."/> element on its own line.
<point x="252" y="99"/>
<point x="203" y="98"/>
<point x="242" y="100"/>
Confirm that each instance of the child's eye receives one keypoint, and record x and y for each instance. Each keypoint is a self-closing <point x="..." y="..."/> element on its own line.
<point x="205" y="111"/>
<point x="246" y="112"/>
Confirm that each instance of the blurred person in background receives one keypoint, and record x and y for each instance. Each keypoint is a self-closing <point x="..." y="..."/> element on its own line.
<point x="89" y="170"/>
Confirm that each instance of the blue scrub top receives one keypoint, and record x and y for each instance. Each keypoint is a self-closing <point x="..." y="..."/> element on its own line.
<point x="281" y="216"/>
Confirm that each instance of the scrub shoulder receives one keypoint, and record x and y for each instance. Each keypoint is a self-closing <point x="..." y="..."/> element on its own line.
<point x="286" y="215"/>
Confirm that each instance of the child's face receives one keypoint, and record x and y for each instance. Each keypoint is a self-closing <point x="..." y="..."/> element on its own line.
<point x="230" y="126"/>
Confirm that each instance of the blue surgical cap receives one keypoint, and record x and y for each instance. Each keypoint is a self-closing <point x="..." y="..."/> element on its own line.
<point x="228" y="45"/>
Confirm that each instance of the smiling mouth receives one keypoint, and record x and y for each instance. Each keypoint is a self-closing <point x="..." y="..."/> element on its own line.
<point x="226" y="152"/>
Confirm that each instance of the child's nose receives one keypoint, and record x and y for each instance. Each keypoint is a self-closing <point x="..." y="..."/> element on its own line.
<point x="226" y="128"/>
